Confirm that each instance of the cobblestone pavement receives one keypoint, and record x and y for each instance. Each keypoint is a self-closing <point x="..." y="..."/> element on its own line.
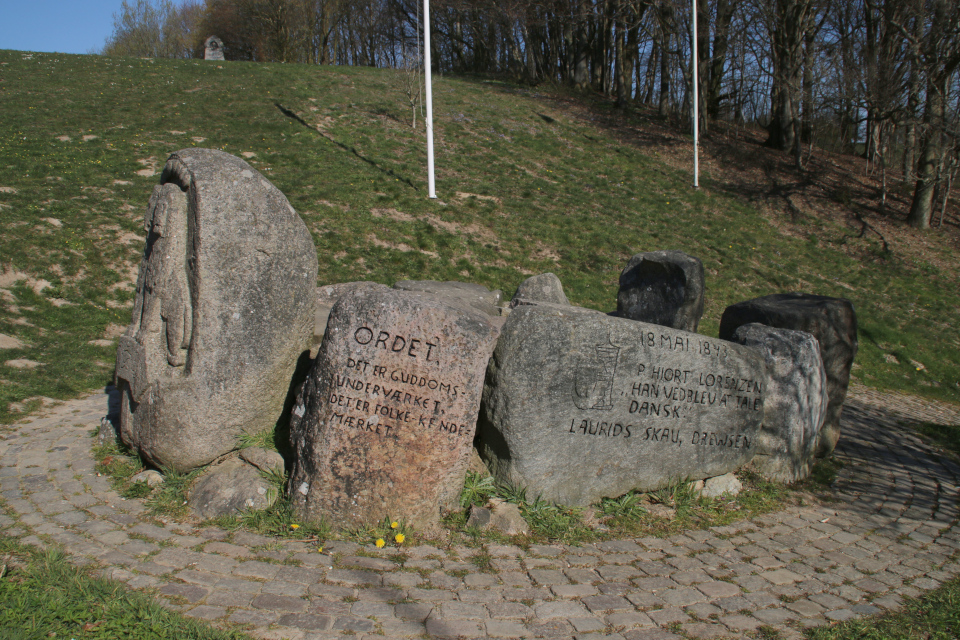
<point x="890" y="533"/>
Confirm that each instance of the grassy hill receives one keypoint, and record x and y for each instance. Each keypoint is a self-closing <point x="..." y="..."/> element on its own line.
<point x="529" y="180"/>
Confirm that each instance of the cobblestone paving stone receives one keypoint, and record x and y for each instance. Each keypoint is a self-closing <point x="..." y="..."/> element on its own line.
<point x="890" y="532"/>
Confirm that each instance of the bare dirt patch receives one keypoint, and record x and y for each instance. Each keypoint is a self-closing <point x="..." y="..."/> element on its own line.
<point x="9" y="342"/>
<point x="113" y="331"/>
<point x="393" y="214"/>
<point x="23" y="363"/>
<point x="463" y="195"/>
<point x="9" y="277"/>
<point x="45" y="403"/>
<point x="398" y="246"/>
<point x="150" y="167"/>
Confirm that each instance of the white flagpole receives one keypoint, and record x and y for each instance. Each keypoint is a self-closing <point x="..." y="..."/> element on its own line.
<point x="432" y="191"/>
<point x="696" y="103"/>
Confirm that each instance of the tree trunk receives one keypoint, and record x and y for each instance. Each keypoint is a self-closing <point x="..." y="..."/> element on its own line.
<point x="718" y="57"/>
<point x="788" y="24"/>
<point x="921" y="210"/>
<point x="623" y="88"/>
<point x="806" y="130"/>
<point x="666" y="22"/>
<point x="913" y="104"/>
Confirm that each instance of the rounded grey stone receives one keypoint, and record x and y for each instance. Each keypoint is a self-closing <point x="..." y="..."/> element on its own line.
<point x="229" y="488"/>
<point x="796" y="403"/>
<point x="832" y="321"/>
<point x="662" y="287"/>
<point x="545" y="287"/>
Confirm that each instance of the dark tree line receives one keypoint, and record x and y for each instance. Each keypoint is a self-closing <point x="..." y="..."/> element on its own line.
<point x="875" y="77"/>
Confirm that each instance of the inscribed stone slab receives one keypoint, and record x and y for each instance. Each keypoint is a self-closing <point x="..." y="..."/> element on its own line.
<point x="384" y="424"/>
<point x="580" y="405"/>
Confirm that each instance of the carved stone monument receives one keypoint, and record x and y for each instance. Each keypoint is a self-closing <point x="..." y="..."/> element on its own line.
<point x="213" y="48"/>
<point x="224" y="308"/>
<point x="796" y="402"/>
<point x="662" y="287"/>
<point x="832" y="321"/>
<point x="384" y="424"/>
<point x="579" y="405"/>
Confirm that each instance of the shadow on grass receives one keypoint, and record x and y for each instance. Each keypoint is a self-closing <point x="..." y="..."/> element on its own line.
<point x="389" y="172"/>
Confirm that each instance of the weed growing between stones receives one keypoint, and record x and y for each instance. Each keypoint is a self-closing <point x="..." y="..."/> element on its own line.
<point x="477" y="489"/>
<point x="277" y="520"/>
<point x="263" y="439"/>
<point x="389" y="532"/>
<point x="766" y="632"/>
<point x="119" y="463"/>
<point x="170" y="498"/>
<point x="483" y="561"/>
<point x="660" y="513"/>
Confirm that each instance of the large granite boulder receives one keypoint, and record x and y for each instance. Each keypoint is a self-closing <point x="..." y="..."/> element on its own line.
<point x="224" y="309"/>
<point x="384" y="424"/>
<point x="470" y="294"/>
<point x="796" y="402"/>
<point x="832" y="321"/>
<point x="662" y="287"/>
<point x="545" y="287"/>
<point x="579" y="405"/>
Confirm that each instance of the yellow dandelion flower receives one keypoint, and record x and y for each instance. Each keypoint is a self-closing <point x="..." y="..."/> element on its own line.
<point x="380" y="543"/>
<point x="399" y="538"/>
<point x="294" y="526"/>
<point x="394" y="524"/>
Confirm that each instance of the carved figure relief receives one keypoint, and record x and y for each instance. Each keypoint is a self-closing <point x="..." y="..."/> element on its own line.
<point x="157" y="341"/>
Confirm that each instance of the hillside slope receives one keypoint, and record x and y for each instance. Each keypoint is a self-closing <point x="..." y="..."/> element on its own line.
<point x="529" y="181"/>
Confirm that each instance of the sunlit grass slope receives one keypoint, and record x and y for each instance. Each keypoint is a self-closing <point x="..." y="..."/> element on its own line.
<point x="525" y="186"/>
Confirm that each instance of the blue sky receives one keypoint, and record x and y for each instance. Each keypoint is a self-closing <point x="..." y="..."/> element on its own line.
<point x="78" y="26"/>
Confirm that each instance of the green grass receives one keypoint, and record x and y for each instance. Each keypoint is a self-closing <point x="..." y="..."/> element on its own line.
<point x="44" y="596"/>
<point x="933" y="616"/>
<point x="946" y="437"/>
<point x="563" y="193"/>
